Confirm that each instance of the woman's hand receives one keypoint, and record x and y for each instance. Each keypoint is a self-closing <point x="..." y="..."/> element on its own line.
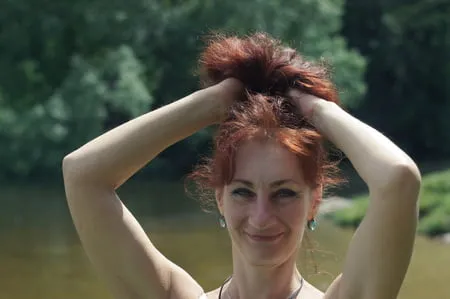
<point x="305" y="102"/>
<point x="226" y="93"/>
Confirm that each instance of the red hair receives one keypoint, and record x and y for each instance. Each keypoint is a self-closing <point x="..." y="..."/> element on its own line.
<point x="267" y="69"/>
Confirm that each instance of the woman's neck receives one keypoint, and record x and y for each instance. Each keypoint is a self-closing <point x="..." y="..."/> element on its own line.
<point x="261" y="281"/>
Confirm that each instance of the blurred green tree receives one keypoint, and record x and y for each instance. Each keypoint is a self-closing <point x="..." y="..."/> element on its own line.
<point x="407" y="45"/>
<point x="71" y="70"/>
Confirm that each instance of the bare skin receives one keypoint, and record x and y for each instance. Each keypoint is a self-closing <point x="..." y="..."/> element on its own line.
<point x="131" y="266"/>
<point x="266" y="208"/>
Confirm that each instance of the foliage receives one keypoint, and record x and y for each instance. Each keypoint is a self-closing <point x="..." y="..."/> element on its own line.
<point x="407" y="44"/>
<point x="353" y="215"/>
<point x="434" y="206"/>
<point x="71" y="70"/>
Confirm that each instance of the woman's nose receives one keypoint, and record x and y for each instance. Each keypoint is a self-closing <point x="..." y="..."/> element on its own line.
<point x="262" y="213"/>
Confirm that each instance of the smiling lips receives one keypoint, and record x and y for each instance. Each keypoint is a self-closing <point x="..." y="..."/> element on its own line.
<point x="265" y="238"/>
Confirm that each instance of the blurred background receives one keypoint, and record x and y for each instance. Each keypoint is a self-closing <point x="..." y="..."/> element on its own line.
<point x="72" y="69"/>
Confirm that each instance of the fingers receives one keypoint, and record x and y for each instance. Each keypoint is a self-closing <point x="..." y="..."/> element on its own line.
<point x="232" y="85"/>
<point x="304" y="101"/>
<point x="295" y="93"/>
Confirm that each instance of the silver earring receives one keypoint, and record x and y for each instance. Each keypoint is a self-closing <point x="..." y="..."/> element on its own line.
<point x="222" y="222"/>
<point x="312" y="224"/>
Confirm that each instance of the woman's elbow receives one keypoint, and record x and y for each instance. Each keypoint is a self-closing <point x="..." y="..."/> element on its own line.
<point x="72" y="169"/>
<point x="407" y="175"/>
<point x="403" y="181"/>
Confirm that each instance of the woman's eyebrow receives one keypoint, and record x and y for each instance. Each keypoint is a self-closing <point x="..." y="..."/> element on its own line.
<point x="276" y="183"/>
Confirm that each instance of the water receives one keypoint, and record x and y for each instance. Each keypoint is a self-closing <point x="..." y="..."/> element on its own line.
<point x="41" y="257"/>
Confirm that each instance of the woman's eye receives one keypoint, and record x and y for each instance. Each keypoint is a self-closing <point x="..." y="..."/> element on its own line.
<point x="243" y="192"/>
<point x="286" y="193"/>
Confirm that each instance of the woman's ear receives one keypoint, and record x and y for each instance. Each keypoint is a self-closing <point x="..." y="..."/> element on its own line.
<point x="316" y="198"/>
<point x="219" y="200"/>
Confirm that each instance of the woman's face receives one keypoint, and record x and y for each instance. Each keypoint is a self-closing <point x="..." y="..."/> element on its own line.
<point x="267" y="204"/>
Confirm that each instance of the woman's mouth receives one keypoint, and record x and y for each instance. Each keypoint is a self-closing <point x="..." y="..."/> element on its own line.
<point x="265" y="238"/>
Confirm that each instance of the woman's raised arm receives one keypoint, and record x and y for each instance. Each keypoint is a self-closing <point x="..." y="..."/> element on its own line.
<point x="380" y="251"/>
<point x="112" y="238"/>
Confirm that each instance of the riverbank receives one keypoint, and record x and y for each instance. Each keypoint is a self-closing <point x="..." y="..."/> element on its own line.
<point x="434" y="206"/>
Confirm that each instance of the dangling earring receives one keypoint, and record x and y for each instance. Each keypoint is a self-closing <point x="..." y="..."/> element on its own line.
<point x="312" y="224"/>
<point x="222" y="222"/>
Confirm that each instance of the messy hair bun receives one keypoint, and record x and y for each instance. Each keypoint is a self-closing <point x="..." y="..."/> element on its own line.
<point x="267" y="69"/>
<point x="263" y="65"/>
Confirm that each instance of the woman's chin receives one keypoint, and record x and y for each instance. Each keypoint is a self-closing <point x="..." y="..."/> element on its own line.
<point x="268" y="251"/>
<point x="268" y="261"/>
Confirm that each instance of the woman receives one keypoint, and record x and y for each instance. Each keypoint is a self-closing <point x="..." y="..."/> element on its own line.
<point x="268" y="173"/>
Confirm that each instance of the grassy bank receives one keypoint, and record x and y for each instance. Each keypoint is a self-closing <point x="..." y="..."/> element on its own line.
<point x="434" y="206"/>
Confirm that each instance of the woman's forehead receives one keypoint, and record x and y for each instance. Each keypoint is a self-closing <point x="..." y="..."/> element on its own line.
<point x="266" y="162"/>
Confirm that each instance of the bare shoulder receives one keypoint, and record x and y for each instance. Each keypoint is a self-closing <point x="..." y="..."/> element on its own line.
<point x="311" y="292"/>
<point x="214" y="294"/>
<point x="332" y="291"/>
<point x="183" y="285"/>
